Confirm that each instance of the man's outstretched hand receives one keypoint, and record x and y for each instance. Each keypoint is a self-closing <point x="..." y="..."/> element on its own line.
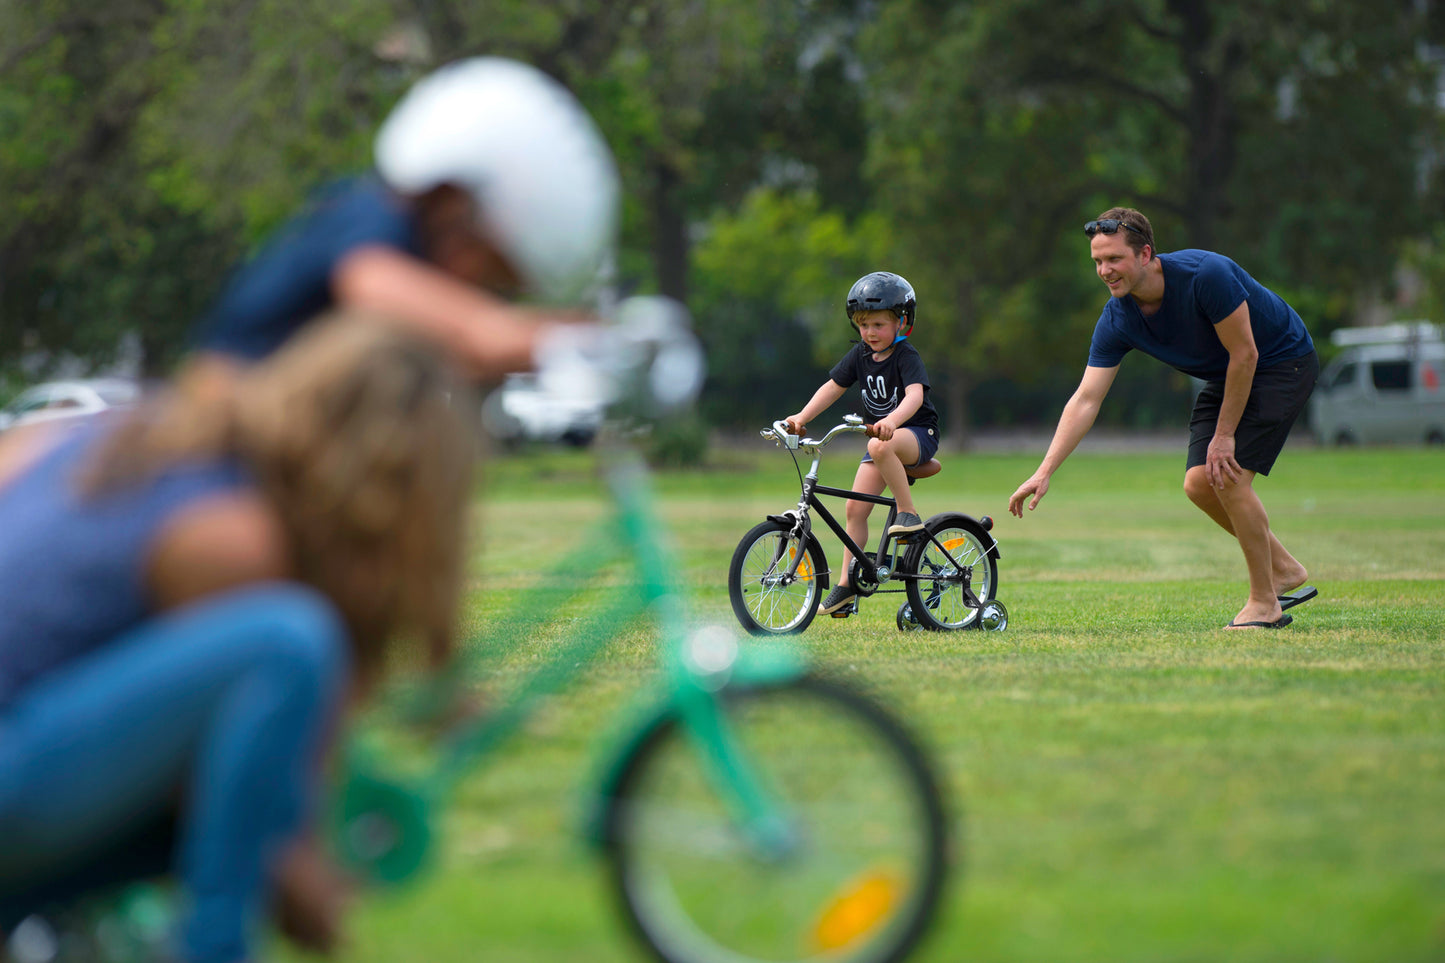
<point x="1037" y="486"/>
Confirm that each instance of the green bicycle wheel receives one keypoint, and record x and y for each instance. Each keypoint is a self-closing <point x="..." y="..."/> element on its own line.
<point x="864" y="876"/>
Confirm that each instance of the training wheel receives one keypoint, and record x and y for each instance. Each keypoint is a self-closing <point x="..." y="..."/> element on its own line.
<point x="906" y="621"/>
<point x="993" y="617"/>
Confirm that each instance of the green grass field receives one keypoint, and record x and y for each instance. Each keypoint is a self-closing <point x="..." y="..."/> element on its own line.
<point x="1129" y="781"/>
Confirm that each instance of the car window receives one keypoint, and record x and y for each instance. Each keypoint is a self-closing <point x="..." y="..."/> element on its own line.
<point x="1390" y="375"/>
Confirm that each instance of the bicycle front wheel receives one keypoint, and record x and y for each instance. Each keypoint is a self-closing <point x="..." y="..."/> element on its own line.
<point x="767" y="599"/>
<point x="862" y="875"/>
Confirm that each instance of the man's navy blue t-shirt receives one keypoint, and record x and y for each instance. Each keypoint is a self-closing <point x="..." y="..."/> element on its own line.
<point x="288" y="282"/>
<point x="1201" y="289"/>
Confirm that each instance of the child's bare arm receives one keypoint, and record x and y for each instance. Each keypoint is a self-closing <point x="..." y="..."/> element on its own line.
<point x="822" y="400"/>
<point x="907" y="408"/>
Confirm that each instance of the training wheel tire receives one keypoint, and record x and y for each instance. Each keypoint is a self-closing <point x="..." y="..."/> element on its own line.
<point x="906" y="621"/>
<point x="993" y="617"/>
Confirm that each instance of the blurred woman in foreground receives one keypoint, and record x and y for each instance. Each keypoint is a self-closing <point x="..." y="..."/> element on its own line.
<point x="189" y="598"/>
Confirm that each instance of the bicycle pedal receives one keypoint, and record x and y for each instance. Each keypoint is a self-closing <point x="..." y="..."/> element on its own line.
<point x="850" y="609"/>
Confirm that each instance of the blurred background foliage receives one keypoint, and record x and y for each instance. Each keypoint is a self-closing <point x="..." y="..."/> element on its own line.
<point x="771" y="154"/>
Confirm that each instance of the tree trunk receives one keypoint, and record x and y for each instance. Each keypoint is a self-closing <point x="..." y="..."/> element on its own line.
<point x="954" y="416"/>
<point x="669" y="231"/>
<point x="1211" y="119"/>
<point x="955" y="425"/>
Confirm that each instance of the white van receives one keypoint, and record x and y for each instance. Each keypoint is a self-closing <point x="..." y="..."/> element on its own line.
<point x="1386" y="386"/>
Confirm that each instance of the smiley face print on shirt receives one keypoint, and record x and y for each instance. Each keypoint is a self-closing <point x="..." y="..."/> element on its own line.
<point x="877" y="397"/>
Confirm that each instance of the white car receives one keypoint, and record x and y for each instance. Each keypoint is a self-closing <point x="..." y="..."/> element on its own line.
<point x="56" y="400"/>
<point x="521" y="411"/>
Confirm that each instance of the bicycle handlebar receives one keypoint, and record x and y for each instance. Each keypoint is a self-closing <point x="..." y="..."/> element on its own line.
<point x="852" y="424"/>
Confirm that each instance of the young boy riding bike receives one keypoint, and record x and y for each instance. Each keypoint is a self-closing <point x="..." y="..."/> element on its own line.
<point x="894" y="384"/>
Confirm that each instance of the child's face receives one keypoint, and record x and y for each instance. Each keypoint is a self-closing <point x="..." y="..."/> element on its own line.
<point x="449" y="236"/>
<point x="878" y="329"/>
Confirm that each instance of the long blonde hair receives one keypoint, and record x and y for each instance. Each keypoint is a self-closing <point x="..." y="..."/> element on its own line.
<point x="361" y="439"/>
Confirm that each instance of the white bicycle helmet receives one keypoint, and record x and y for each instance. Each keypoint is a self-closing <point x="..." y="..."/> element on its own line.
<point x="543" y="178"/>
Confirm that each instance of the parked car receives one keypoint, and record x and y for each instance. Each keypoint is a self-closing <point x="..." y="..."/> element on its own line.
<point x="521" y="411"/>
<point x="56" y="400"/>
<point x="1385" y="387"/>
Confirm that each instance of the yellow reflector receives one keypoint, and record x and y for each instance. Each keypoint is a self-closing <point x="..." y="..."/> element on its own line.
<point x="862" y="904"/>
<point x="805" y="567"/>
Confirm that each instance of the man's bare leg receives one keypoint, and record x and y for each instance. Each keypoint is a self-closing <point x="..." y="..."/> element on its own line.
<point x="1287" y="571"/>
<point x="1249" y="524"/>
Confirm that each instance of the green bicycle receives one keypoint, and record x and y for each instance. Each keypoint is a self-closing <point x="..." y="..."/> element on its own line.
<point x="758" y="811"/>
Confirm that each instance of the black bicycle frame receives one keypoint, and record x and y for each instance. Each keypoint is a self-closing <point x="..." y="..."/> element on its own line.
<point x="871" y="564"/>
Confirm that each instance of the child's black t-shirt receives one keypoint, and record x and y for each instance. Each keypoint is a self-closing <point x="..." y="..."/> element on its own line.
<point x="882" y="382"/>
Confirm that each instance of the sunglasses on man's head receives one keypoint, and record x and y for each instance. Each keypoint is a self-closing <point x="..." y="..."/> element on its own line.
<point x="1109" y="225"/>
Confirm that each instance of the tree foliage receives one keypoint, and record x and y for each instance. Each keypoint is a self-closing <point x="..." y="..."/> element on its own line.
<point x="770" y="153"/>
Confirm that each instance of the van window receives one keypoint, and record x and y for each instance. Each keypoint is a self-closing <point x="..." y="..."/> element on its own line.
<point x="1344" y="377"/>
<point x="1390" y="375"/>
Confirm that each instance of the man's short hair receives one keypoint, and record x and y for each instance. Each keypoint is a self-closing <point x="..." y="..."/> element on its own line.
<point x="1136" y="220"/>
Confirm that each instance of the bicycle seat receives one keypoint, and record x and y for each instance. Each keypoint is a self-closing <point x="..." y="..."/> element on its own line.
<point x="926" y="470"/>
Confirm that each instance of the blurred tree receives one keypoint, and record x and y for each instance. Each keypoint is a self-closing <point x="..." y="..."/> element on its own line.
<point x="148" y="141"/>
<point x="145" y="143"/>
<point x="1014" y="121"/>
<point x="706" y="99"/>
<point x="772" y="282"/>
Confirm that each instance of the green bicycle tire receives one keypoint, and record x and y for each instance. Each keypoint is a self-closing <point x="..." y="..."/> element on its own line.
<point x="866" y="881"/>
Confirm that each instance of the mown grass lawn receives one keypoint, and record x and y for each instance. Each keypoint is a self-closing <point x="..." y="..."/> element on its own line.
<point x="1129" y="781"/>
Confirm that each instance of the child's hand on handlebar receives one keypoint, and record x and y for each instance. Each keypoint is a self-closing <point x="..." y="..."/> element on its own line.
<point x="796" y="425"/>
<point x="881" y="430"/>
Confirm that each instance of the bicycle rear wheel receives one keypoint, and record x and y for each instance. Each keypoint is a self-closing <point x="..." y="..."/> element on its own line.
<point x="765" y="598"/>
<point x="937" y="596"/>
<point x="865" y="875"/>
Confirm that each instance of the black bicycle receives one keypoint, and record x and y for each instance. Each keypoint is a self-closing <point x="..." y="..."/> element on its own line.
<point x="779" y="573"/>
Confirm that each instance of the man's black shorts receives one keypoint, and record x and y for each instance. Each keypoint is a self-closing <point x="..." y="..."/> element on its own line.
<point x="1276" y="398"/>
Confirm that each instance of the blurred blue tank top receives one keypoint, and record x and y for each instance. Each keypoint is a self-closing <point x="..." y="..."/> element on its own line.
<point x="288" y="281"/>
<point x="71" y="569"/>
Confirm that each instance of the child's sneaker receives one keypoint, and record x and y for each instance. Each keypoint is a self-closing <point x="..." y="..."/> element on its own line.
<point x="906" y="524"/>
<point x="840" y="597"/>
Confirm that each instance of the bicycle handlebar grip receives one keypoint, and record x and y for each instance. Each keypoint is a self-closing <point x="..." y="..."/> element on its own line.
<point x="783" y="435"/>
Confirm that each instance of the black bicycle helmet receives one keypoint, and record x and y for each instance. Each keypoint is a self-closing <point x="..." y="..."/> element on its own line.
<point x="883" y="291"/>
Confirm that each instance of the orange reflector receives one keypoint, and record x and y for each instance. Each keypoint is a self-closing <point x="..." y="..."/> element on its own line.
<point x="860" y="907"/>
<point x="805" y="567"/>
<point x="953" y="543"/>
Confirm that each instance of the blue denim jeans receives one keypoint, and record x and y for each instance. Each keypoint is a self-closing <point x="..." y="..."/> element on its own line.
<point x="218" y="710"/>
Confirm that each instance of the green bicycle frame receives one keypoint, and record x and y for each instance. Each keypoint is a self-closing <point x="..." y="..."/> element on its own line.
<point x="383" y="825"/>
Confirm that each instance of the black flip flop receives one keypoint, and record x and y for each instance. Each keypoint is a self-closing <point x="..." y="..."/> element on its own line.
<point x="1283" y="621"/>
<point x="1303" y="594"/>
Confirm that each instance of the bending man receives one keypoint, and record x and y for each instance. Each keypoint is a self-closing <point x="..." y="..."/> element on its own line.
<point x="1200" y="313"/>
